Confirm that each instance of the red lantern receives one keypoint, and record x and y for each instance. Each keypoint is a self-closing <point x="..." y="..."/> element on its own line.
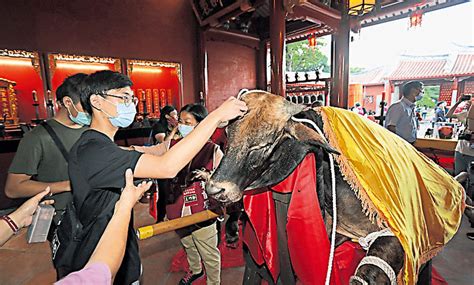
<point x="416" y="18"/>
<point x="312" y="41"/>
<point x="417" y="15"/>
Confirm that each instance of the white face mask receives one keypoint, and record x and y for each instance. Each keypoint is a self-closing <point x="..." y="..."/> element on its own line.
<point x="184" y="130"/>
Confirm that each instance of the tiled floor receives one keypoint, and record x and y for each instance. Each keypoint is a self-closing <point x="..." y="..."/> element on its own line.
<point x="456" y="262"/>
<point x="21" y="263"/>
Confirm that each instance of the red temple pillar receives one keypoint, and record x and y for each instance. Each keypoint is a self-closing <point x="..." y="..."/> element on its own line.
<point x="262" y="66"/>
<point x="277" y="46"/>
<point x="340" y="63"/>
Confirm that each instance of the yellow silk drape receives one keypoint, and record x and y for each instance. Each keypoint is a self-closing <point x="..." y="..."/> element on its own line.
<point x="398" y="186"/>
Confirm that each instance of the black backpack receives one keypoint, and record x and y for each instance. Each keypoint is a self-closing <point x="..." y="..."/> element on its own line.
<point x="67" y="234"/>
<point x="66" y="239"/>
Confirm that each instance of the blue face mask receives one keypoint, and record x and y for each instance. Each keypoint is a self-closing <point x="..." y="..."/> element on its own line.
<point x="418" y="97"/>
<point x="184" y="130"/>
<point x="125" y="115"/>
<point x="82" y="118"/>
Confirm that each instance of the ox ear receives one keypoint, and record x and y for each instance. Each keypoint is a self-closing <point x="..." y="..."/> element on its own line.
<point x="292" y="108"/>
<point x="309" y="137"/>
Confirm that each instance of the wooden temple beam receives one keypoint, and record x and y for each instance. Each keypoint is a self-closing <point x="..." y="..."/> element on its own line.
<point x="303" y="35"/>
<point x="340" y="62"/>
<point x="277" y="46"/>
<point x="316" y="12"/>
<point x="235" y="37"/>
<point x="401" y="10"/>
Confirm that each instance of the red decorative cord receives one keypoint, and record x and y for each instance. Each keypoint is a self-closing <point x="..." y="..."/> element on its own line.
<point x="11" y="223"/>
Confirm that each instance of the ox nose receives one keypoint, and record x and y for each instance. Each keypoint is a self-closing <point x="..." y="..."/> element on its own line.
<point x="213" y="188"/>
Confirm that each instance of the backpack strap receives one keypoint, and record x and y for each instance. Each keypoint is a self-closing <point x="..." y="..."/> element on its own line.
<point x="56" y="140"/>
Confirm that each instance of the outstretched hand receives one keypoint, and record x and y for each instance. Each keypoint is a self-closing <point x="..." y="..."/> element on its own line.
<point x="131" y="193"/>
<point x="231" y="109"/>
<point x="23" y="216"/>
<point x="172" y="122"/>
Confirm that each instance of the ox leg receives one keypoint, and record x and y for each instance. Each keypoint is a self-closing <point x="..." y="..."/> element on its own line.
<point x="387" y="248"/>
<point x="232" y="228"/>
<point x="254" y="273"/>
<point x="282" y="202"/>
<point x="424" y="277"/>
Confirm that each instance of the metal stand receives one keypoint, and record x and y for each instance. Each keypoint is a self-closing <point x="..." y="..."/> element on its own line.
<point x="381" y="117"/>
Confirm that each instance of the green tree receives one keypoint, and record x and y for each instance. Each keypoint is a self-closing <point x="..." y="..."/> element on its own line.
<point x="301" y="57"/>
<point x="356" y="69"/>
<point x="430" y="98"/>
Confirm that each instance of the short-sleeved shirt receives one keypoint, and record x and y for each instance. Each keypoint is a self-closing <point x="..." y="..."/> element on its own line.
<point x="401" y="114"/>
<point x="439" y="115"/>
<point x="37" y="155"/>
<point x="97" y="173"/>
<point x="97" y="274"/>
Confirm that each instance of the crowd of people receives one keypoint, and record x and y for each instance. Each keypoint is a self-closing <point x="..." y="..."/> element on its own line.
<point x="88" y="178"/>
<point x="72" y="163"/>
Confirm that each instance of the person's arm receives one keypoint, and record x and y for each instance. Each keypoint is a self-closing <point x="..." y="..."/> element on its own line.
<point x="21" y="185"/>
<point x="470" y="118"/>
<point x="172" y="134"/>
<point x="158" y="149"/>
<point x="111" y="247"/>
<point x="23" y="216"/>
<point x="160" y="137"/>
<point x="450" y="113"/>
<point x="392" y="117"/>
<point x="170" y="163"/>
<point x="26" y="163"/>
<point x="392" y="128"/>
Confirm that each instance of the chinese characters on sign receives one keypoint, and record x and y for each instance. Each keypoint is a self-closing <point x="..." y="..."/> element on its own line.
<point x="207" y="8"/>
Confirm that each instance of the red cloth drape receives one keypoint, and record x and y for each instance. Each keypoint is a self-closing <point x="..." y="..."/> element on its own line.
<point x="308" y="242"/>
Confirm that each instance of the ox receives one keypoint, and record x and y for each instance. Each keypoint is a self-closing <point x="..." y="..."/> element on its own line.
<point x="265" y="146"/>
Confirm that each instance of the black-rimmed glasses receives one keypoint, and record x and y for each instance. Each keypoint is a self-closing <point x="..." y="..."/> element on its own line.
<point x="127" y="99"/>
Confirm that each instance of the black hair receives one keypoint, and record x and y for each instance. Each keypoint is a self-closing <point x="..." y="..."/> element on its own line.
<point x="411" y="85"/>
<point x="70" y="88"/>
<point x="100" y="82"/>
<point x="439" y="103"/>
<point x="198" y="111"/>
<point x="166" y="110"/>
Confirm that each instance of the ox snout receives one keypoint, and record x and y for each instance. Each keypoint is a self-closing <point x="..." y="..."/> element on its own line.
<point x="224" y="192"/>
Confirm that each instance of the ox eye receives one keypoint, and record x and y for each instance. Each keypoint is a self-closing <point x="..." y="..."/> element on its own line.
<point x="257" y="154"/>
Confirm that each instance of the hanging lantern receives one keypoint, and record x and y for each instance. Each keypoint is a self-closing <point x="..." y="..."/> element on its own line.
<point x="312" y="41"/>
<point x="417" y="15"/>
<point x="416" y="18"/>
<point x="360" y="7"/>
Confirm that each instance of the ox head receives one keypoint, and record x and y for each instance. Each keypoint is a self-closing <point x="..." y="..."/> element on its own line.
<point x="264" y="147"/>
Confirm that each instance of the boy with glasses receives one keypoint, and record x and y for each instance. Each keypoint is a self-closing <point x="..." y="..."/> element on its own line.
<point x="97" y="164"/>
